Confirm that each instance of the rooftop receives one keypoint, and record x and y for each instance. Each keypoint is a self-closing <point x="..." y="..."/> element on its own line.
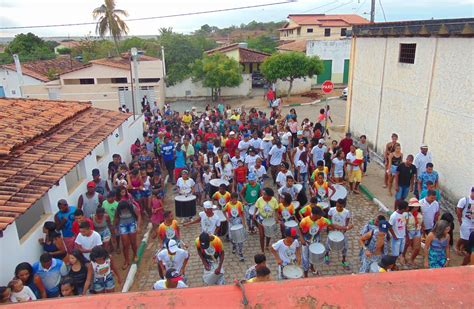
<point x="246" y="55"/>
<point x="298" y="46"/>
<point x="461" y="27"/>
<point x="122" y="62"/>
<point x="41" y="142"/>
<point x="44" y="69"/>
<point x="322" y="20"/>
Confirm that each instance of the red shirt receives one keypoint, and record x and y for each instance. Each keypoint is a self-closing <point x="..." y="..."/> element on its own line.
<point x="75" y="226"/>
<point x="270" y="95"/>
<point x="231" y="145"/>
<point x="346" y="144"/>
<point x="241" y="174"/>
<point x="209" y="135"/>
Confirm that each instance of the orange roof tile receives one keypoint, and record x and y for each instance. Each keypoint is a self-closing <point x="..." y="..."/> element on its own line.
<point x="298" y="46"/>
<point x="44" y="153"/>
<point x="246" y="55"/>
<point x="39" y="69"/>
<point x="122" y="62"/>
<point x="328" y="20"/>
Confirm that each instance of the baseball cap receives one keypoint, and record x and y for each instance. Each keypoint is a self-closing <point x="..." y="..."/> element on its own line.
<point x="299" y="132"/>
<point x="207" y="205"/>
<point x="424" y="146"/>
<point x="251" y="149"/>
<point x="173" y="275"/>
<point x="321" y="141"/>
<point x="95" y="172"/>
<point x="268" y="137"/>
<point x="384" y="226"/>
<point x="246" y="135"/>
<point x="291" y="232"/>
<point x="231" y="133"/>
<point x="184" y="172"/>
<point x="91" y="184"/>
<point x="301" y="141"/>
<point x="172" y="246"/>
<point x="204" y="240"/>
<point x="251" y="176"/>
<point x="413" y="202"/>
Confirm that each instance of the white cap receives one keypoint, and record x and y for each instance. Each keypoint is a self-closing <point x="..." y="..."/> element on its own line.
<point x="172" y="246"/>
<point x="321" y="141"/>
<point x="231" y="133"/>
<point x="207" y="205"/>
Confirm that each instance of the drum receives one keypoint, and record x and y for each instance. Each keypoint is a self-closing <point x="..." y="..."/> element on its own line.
<point x="341" y="193"/>
<point x="296" y="204"/>
<point x="298" y="187"/>
<point x="323" y="205"/>
<point x="302" y="198"/>
<point x="316" y="253"/>
<point x="237" y="234"/>
<point x="253" y="210"/>
<point x="185" y="206"/>
<point x="374" y="267"/>
<point x="270" y="227"/>
<point x="291" y="223"/>
<point x="336" y="240"/>
<point x="210" y="278"/>
<point x="224" y="225"/>
<point x="292" y="272"/>
<point x="215" y="183"/>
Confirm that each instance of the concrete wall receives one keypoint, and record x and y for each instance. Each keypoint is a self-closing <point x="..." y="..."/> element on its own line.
<point x="197" y="90"/>
<point x="9" y="81"/>
<point x="430" y="101"/>
<point x="28" y="249"/>
<point x="300" y="85"/>
<point x="335" y="50"/>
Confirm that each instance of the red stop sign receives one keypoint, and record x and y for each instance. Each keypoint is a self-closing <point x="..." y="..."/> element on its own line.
<point x="327" y="86"/>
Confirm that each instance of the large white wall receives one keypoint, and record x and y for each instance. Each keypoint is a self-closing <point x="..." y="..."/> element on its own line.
<point x="300" y="85"/>
<point x="430" y="101"/>
<point x="335" y="50"/>
<point x="11" y="85"/>
<point x="12" y="250"/>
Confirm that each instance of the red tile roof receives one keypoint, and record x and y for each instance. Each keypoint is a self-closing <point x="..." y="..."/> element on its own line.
<point x="39" y="69"/>
<point x="122" y="62"/>
<point x="298" y="46"/>
<point x="336" y="20"/>
<point x="44" y="153"/>
<point x="246" y="55"/>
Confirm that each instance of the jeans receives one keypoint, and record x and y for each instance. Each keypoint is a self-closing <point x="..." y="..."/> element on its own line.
<point x="402" y="192"/>
<point x="397" y="246"/>
<point x="366" y="161"/>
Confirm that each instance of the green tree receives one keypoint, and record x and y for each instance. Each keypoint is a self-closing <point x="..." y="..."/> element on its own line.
<point x="64" y="51"/>
<point x="263" y="43"/>
<point x="134" y="41"/>
<point x="290" y="66"/>
<point x="110" y="21"/>
<point x="217" y="71"/>
<point x="30" y="47"/>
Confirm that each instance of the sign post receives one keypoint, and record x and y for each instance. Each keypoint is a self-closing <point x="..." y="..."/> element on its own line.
<point x="327" y="86"/>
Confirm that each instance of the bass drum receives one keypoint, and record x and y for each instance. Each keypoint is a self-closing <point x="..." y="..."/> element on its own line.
<point x="215" y="183"/>
<point x="185" y="206"/>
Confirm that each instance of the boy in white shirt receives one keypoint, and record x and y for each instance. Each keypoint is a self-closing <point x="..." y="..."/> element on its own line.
<point x="340" y="218"/>
<point x="87" y="239"/>
<point x="429" y="210"/>
<point x="19" y="292"/>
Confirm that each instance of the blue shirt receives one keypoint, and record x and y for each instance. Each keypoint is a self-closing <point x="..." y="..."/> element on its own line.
<point x="180" y="159"/>
<point x="167" y="151"/>
<point x="50" y="277"/>
<point x="69" y="216"/>
<point x="424" y="177"/>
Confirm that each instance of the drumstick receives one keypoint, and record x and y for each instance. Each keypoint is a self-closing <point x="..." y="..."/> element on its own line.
<point x="244" y="298"/>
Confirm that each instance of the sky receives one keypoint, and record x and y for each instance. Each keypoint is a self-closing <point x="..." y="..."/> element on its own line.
<point x="44" y="12"/>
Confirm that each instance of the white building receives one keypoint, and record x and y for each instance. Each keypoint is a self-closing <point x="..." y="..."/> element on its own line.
<point x="335" y="55"/>
<point x="416" y="79"/>
<point x="47" y="152"/>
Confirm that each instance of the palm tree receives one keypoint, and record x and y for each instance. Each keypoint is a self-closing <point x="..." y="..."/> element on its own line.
<point x="110" y="21"/>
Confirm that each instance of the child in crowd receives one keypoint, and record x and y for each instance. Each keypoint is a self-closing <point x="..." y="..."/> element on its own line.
<point x="67" y="287"/>
<point x="5" y="294"/>
<point x="156" y="209"/>
<point x="19" y="292"/>
<point x="240" y="176"/>
<point x="103" y="270"/>
<point x="206" y="178"/>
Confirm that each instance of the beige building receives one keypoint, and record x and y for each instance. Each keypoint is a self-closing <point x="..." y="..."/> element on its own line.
<point x="416" y="79"/>
<point x="319" y="26"/>
<point x="249" y="59"/>
<point x="106" y="83"/>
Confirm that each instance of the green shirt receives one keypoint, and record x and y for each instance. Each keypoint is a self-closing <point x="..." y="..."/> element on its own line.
<point x="110" y="208"/>
<point x="252" y="193"/>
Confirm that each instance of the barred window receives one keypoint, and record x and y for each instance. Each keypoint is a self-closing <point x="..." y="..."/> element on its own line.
<point x="407" y="53"/>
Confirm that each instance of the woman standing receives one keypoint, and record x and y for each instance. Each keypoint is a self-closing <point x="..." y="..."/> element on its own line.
<point x="414" y="220"/>
<point x="225" y="170"/>
<point x="394" y="160"/>
<point x="128" y="219"/>
<point x="24" y="272"/>
<point x="52" y="241"/>
<point x="437" y="246"/>
<point x="79" y="272"/>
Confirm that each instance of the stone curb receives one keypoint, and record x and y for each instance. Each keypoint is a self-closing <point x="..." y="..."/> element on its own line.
<point x="310" y="103"/>
<point x="371" y="197"/>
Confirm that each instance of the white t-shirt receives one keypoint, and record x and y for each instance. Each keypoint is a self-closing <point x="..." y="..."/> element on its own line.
<point x="250" y="161"/>
<point x="227" y="172"/>
<point x="318" y="153"/>
<point x="303" y="166"/>
<point x="286" y="254"/>
<point x="285" y="138"/>
<point x="338" y="166"/>
<point x="421" y="160"/>
<point x="277" y="154"/>
<point x="258" y="172"/>
<point x="298" y="152"/>
<point x="256" y="143"/>
<point x="243" y="146"/>
<point x="339" y="218"/>
<point x="26" y="294"/>
<point x="398" y="223"/>
<point x="467" y="206"/>
<point x="206" y="177"/>
<point x="88" y="242"/>
<point x="175" y="261"/>
<point x="185" y="186"/>
<point x="161" y="285"/>
<point x="209" y="225"/>
<point x="351" y="158"/>
<point x="266" y="146"/>
<point x="281" y="178"/>
<point x="235" y="161"/>
<point x="429" y="211"/>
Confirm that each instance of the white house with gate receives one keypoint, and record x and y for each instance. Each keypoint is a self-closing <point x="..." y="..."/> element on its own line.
<point x="336" y="58"/>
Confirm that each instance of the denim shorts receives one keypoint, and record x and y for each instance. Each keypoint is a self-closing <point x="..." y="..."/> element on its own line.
<point x="105" y="235"/>
<point x="393" y="170"/>
<point x="107" y="283"/>
<point x="128" y="228"/>
<point x="414" y="234"/>
<point x="137" y="194"/>
<point x="146" y="193"/>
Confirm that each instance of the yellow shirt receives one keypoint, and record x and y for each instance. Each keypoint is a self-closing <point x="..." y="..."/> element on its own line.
<point x="235" y="117"/>
<point x="266" y="209"/>
<point x="187" y="119"/>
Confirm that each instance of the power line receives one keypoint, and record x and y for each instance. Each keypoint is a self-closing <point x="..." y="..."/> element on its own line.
<point x="360" y="6"/>
<point x="318" y="7"/>
<point x="383" y="11"/>
<point x="154" y="17"/>
<point x="344" y="4"/>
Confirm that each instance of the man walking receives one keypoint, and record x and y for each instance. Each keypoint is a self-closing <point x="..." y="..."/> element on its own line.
<point x="405" y="178"/>
<point x="421" y="159"/>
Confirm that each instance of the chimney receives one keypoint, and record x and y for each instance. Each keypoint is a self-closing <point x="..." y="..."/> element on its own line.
<point x="19" y="72"/>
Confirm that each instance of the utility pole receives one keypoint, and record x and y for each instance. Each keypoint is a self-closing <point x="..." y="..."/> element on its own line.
<point x="163" y="61"/>
<point x="19" y="73"/>
<point x="372" y="11"/>
<point x="134" y="53"/>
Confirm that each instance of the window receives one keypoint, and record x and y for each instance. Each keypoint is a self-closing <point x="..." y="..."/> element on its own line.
<point x="149" y="80"/>
<point x="147" y="88"/>
<point x="407" y="53"/>
<point x="86" y="81"/>
<point x="13" y="92"/>
<point x="309" y="30"/>
<point x="74" y="177"/>
<point x="327" y="32"/>
<point x="29" y="219"/>
<point x="123" y="88"/>
<point x="119" y="80"/>
<point x="343" y="31"/>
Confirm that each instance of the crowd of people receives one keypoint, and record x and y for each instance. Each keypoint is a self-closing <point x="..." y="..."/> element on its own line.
<point x="274" y="177"/>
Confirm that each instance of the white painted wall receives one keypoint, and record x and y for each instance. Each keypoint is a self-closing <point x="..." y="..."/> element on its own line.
<point x="11" y="85"/>
<point x="335" y="50"/>
<point x="28" y="249"/>
<point x="197" y="90"/>
<point x="405" y="102"/>
<point x="300" y="85"/>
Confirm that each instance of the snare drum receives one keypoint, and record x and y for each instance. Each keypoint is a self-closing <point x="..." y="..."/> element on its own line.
<point x="185" y="206"/>
<point x="298" y="187"/>
<point x="215" y="183"/>
<point x="296" y="204"/>
<point x="341" y="193"/>
<point x="224" y="225"/>
<point x="237" y="234"/>
<point x="292" y="272"/>
<point x="270" y="227"/>
<point x="316" y="253"/>
<point x="253" y="210"/>
<point x="291" y="224"/>
<point x="336" y="240"/>
<point x="323" y="205"/>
